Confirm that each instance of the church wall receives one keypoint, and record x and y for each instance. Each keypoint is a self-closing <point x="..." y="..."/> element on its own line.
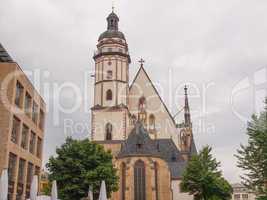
<point x="177" y="194"/>
<point x="113" y="147"/>
<point x="122" y="92"/>
<point x="109" y="64"/>
<point x="118" y="120"/>
<point x="97" y="98"/>
<point x="124" y="69"/>
<point x="164" y="183"/>
<point x="165" y="127"/>
<point x="117" y="82"/>
<point x="109" y="86"/>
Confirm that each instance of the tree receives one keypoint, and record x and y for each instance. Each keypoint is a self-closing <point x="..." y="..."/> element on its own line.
<point x="253" y="156"/>
<point x="79" y="164"/>
<point x="203" y="179"/>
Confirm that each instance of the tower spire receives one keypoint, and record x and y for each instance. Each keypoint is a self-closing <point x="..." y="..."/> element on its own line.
<point x="113" y="7"/>
<point x="187" y="116"/>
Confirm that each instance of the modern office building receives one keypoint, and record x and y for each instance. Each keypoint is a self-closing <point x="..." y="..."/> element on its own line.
<point x="22" y="118"/>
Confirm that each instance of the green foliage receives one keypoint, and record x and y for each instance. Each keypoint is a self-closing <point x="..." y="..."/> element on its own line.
<point x="203" y="179"/>
<point x="79" y="164"/>
<point x="252" y="158"/>
<point x="261" y="198"/>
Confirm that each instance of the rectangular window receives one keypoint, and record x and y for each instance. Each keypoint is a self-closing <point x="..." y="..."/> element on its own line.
<point x="29" y="173"/>
<point x="32" y="143"/>
<point x="37" y="171"/>
<point x="34" y="112"/>
<point x="27" y="104"/>
<point x="237" y="196"/>
<point x="29" y="179"/>
<point x="244" y="196"/>
<point x="11" y="173"/>
<point x="41" y="121"/>
<point x="39" y="147"/>
<point x="15" y="130"/>
<point x="21" y="173"/>
<point x="24" y="137"/>
<point x="12" y="166"/>
<point x="109" y="74"/>
<point x="19" y="94"/>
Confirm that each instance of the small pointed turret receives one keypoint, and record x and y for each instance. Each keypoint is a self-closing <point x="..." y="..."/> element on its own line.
<point x="187" y="116"/>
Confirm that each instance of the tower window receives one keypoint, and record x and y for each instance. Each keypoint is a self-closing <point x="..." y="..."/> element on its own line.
<point x="109" y="131"/>
<point x="109" y="74"/>
<point x="109" y="95"/>
<point x="139" y="181"/>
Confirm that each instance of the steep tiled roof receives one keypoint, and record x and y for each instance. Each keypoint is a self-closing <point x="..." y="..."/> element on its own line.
<point x="4" y="56"/>
<point x="139" y="143"/>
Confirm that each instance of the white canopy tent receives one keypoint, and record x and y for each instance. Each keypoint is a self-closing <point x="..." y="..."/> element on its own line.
<point x="34" y="191"/>
<point x="4" y="185"/>
<point x="103" y="192"/>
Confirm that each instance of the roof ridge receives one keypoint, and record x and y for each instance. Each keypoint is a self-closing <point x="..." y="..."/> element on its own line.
<point x="155" y="89"/>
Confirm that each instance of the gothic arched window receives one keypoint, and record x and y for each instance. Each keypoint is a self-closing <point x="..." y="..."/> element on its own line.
<point x="109" y="95"/>
<point x="123" y="181"/>
<point x="156" y="170"/>
<point x="139" y="181"/>
<point x="108" y="131"/>
<point x="152" y="122"/>
<point x="142" y="104"/>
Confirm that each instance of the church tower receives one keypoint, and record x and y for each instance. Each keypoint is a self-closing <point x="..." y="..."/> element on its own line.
<point x="111" y="89"/>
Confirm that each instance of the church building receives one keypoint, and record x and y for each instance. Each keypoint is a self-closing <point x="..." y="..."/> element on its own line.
<point x="150" y="149"/>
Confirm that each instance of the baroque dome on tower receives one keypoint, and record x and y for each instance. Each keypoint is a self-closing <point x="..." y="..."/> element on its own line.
<point x="113" y="28"/>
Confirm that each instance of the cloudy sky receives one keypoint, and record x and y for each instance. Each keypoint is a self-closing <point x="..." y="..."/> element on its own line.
<point x="217" y="47"/>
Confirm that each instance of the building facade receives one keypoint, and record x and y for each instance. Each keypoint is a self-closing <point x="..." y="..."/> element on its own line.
<point x="240" y="192"/>
<point x="22" y="120"/>
<point x="150" y="149"/>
